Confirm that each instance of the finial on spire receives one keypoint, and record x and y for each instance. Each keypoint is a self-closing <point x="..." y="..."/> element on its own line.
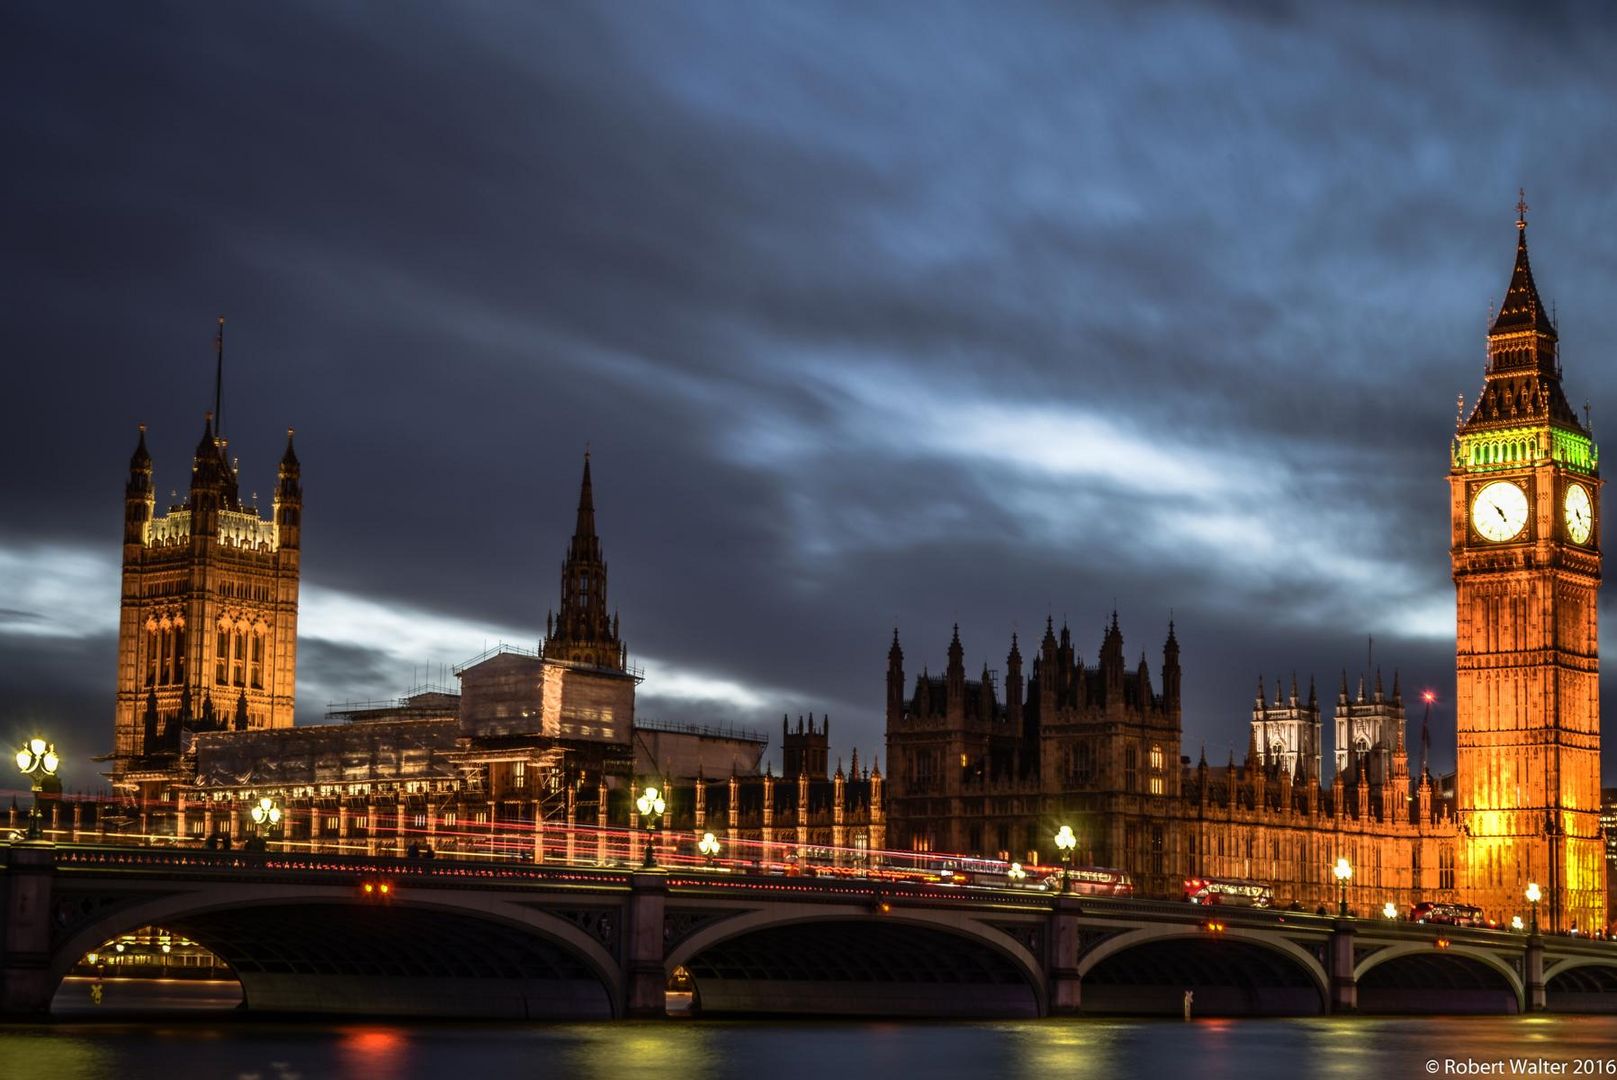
<point x="1521" y="208"/>
<point x="219" y="375"/>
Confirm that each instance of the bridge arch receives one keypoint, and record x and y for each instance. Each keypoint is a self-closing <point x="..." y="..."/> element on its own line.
<point x="538" y="964"/>
<point x="1401" y="978"/>
<point x="1581" y="984"/>
<point x="1238" y="971"/>
<point x="849" y="960"/>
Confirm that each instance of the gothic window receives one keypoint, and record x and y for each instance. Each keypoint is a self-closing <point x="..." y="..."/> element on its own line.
<point x="923" y="770"/>
<point x="974" y="841"/>
<point x="221" y="659"/>
<point x="151" y="657"/>
<point x="1131" y="768"/>
<point x="1445" y="868"/>
<point x="256" y="657"/>
<point x="1158" y="855"/>
<point x="1156" y="757"/>
<point x="238" y="660"/>
<point x="165" y="649"/>
<point x="179" y="654"/>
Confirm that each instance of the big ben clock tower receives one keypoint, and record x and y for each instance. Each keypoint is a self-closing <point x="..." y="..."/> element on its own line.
<point x="1525" y="499"/>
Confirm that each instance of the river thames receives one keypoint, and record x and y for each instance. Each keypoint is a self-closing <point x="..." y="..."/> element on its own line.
<point x="1387" y="1048"/>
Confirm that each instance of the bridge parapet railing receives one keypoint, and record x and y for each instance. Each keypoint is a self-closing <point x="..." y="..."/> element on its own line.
<point x="279" y="866"/>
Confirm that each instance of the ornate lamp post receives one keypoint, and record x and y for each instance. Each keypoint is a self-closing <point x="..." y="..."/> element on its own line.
<point x="709" y="845"/>
<point x="651" y="805"/>
<point x="1067" y="843"/>
<point x="37" y="760"/>
<point x="1389" y="910"/>
<point x="1533" y="897"/>
<point x="1343" y="870"/>
<point x="266" y="815"/>
<point x="1016" y="874"/>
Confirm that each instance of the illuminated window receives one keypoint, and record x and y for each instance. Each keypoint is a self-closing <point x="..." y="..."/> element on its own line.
<point x="1156" y="757"/>
<point x="1156" y="785"/>
<point x="519" y="774"/>
<point x="449" y="819"/>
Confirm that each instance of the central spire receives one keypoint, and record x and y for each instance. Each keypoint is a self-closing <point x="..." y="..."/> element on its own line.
<point x="581" y="631"/>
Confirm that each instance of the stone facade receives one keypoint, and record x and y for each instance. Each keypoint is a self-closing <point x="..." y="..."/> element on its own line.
<point x="207" y="630"/>
<point x="1525" y="500"/>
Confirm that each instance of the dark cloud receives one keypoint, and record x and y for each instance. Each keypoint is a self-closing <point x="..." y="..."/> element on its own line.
<point x="913" y="315"/>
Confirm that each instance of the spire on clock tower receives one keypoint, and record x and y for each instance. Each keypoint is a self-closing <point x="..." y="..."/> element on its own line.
<point x="1524" y="370"/>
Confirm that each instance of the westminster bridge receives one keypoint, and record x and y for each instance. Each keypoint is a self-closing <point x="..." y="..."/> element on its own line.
<point x="328" y="934"/>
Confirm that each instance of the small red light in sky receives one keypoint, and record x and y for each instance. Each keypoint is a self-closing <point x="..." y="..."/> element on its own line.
<point x="1428" y="696"/>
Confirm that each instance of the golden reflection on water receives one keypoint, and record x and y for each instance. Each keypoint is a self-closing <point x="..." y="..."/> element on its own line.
<point x="659" y="1048"/>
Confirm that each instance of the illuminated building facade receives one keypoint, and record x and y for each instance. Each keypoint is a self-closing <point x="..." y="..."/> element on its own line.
<point x="1098" y="749"/>
<point x="536" y="743"/>
<point x="1095" y="748"/>
<point x="207" y="630"/>
<point x="1525" y="497"/>
<point x="971" y="773"/>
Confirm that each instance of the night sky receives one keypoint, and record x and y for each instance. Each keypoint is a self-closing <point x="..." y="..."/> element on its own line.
<point x="869" y="314"/>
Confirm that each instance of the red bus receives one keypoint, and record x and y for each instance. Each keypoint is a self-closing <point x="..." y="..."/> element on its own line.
<point x="1229" y="892"/>
<point x="1447" y="914"/>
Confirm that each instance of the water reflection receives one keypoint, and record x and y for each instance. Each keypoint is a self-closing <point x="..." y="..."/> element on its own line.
<point x="1326" y="1047"/>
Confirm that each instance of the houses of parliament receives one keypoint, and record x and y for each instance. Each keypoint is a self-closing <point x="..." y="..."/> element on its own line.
<point x="548" y="738"/>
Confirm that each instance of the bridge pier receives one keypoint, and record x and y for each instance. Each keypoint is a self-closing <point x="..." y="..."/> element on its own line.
<point x="1344" y="987"/>
<point x="1533" y="974"/>
<point x="645" y="980"/>
<point x="25" y="899"/>
<point x="1064" y="989"/>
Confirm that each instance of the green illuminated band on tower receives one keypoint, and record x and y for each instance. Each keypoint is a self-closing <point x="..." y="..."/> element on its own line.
<point x="1508" y="448"/>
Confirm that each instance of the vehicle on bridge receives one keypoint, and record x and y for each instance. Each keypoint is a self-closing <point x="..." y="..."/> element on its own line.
<point x="1447" y="914"/>
<point x="1230" y="892"/>
<point x="1092" y="881"/>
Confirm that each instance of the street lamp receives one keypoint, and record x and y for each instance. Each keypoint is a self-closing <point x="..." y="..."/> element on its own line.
<point x="651" y="805"/>
<point x="1389" y="910"/>
<point x="1533" y="897"/>
<point x="1343" y="870"/>
<point x="1016" y="874"/>
<point x="709" y="845"/>
<point x="37" y="760"/>
<point x="1067" y="843"/>
<point x="1515" y="922"/>
<point x="266" y="813"/>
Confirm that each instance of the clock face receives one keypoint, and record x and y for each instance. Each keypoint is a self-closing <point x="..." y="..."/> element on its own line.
<point x="1579" y="514"/>
<point x="1499" y="511"/>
